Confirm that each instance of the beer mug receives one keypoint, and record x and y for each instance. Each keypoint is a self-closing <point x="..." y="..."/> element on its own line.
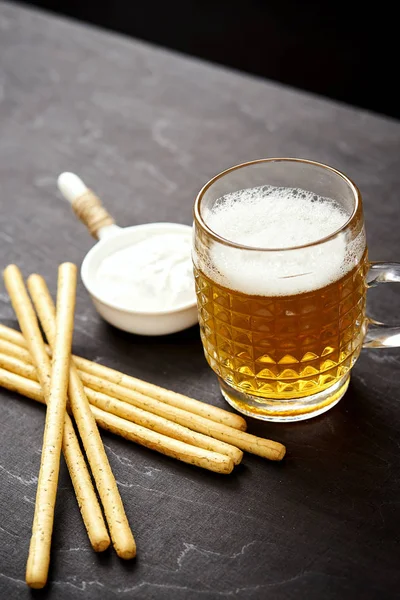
<point x="282" y="270"/>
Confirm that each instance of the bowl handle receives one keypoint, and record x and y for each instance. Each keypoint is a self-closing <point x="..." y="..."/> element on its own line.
<point x="89" y="209"/>
<point x="86" y="205"/>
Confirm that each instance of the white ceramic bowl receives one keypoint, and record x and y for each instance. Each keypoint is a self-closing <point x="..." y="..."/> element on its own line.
<point x="135" y="321"/>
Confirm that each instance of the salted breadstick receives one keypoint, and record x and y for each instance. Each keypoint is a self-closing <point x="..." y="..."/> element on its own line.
<point x="120" y="531"/>
<point x="132" y="413"/>
<point x="55" y="390"/>
<point x="211" y="461"/>
<point x="214" y="413"/>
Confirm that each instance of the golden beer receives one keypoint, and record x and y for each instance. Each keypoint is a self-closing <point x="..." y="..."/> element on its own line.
<point x="283" y="347"/>
<point x="280" y="265"/>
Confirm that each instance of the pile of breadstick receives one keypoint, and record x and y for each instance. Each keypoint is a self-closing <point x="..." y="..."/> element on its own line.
<point x="94" y="395"/>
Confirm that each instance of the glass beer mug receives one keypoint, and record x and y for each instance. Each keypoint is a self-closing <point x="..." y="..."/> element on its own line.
<point x="282" y="271"/>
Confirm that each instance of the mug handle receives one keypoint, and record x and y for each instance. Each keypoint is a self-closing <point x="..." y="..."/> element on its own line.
<point x="380" y="335"/>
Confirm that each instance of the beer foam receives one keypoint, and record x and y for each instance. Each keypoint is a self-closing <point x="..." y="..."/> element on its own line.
<point x="277" y="218"/>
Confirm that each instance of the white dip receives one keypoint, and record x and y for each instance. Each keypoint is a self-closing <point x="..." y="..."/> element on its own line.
<point x="154" y="274"/>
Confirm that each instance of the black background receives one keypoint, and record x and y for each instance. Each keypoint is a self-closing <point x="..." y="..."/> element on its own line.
<point x="342" y="50"/>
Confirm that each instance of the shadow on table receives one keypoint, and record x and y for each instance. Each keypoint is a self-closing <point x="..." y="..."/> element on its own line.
<point x="345" y="452"/>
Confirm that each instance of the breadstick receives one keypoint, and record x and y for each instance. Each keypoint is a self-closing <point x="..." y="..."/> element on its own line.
<point x="81" y="480"/>
<point x="132" y="413"/>
<point x="86" y="496"/>
<point x="39" y="551"/>
<point x="84" y="490"/>
<point x="12" y="349"/>
<point x="260" y="446"/>
<point x="150" y="439"/>
<point x="155" y="423"/>
<point x="18" y="366"/>
<point x="45" y="309"/>
<point x="213" y="461"/>
<point x="56" y="395"/>
<point x="208" y="411"/>
<point x="214" y="413"/>
<point x="120" y="531"/>
<point x="13" y="336"/>
<point x="245" y="441"/>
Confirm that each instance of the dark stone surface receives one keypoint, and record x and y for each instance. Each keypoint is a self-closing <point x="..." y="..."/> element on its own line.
<point x="330" y="48"/>
<point x="146" y="129"/>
